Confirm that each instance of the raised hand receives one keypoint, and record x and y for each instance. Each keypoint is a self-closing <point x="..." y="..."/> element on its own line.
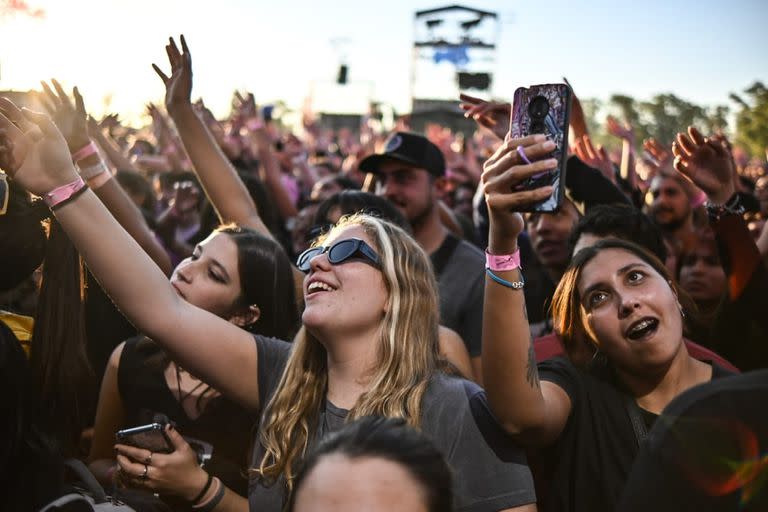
<point x="659" y="153"/>
<point x="70" y="119"/>
<point x="595" y="157"/>
<point x="491" y="115"/>
<point x="622" y="131"/>
<point x="178" y="87"/>
<point x="501" y="173"/>
<point x="706" y="162"/>
<point x="34" y="153"/>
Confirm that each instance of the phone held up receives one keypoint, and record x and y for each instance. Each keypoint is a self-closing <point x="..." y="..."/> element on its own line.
<point x="151" y="437"/>
<point x="544" y="109"/>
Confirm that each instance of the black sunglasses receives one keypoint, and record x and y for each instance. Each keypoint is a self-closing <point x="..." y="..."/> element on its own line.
<point x="340" y="252"/>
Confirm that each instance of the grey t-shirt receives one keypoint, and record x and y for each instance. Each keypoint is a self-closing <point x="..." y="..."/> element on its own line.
<point x="460" y="270"/>
<point x="490" y="471"/>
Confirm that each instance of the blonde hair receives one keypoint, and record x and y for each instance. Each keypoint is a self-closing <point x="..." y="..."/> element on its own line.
<point x="407" y="355"/>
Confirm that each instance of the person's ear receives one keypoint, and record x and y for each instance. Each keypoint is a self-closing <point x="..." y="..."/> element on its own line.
<point x="440" y="187"/>
<point x="246" y="316"/>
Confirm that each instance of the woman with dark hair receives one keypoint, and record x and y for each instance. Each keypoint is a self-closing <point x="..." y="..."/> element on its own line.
<point x="242" y="277"/>
<point x="615" y="294"/>
<point x="374" y="464"/>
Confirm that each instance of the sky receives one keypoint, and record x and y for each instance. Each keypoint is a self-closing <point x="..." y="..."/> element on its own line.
<point x="701" y="51"/>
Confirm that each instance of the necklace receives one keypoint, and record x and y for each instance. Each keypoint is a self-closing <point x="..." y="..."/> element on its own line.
<point x="182" y="395"/>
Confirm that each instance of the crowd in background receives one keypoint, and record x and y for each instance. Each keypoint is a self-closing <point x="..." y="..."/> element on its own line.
<point x="172" y="289"/>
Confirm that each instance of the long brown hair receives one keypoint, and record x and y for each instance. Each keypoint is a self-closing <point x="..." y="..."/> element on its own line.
<point x="407" y="355"/>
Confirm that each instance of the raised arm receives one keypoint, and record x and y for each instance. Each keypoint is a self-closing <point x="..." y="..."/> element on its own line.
<point x="212" y="348"/>
<point x="218" y="177"/>
<point x="71" y="119"/>
<point x="533" y="411"/>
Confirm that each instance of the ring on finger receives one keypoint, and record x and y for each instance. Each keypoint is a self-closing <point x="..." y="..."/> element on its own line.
<point x="145" y="474"/>
<point x="148" y="459"/>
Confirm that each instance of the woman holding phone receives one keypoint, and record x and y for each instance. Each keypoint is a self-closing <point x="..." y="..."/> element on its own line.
<point x="368" y="345"/>
<point x="617" y="295"/>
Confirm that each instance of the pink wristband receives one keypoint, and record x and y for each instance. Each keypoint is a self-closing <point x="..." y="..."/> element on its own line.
<point x="502" y="262"/>
<point x="84" y="152"/>
<point x="64" y="192"/>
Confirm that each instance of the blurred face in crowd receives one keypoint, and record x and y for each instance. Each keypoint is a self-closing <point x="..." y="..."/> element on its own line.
<point x="209" y="278"/>
<point x="761" y="191"/>
<point x="324" y="188"/>
<point x="701" y="273"/>
<point x="409" y="188"/>
<point x="350" y="295"/>
<point x="549" y="235"/>
<point x="629" y="310"/>
<point x="670" y="206"/>
<point x="462" y="201"/>
<point x="340" y="484"/>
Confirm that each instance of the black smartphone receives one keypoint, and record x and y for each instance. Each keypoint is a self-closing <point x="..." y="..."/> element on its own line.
<point x="544" y="109"/>
<point x="151" y="437"/>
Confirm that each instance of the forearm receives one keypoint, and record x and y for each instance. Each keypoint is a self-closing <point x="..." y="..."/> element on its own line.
<point x="114" y="154"/>
<point x="742" y="253"/>
<point x="103" y="470"/>
<point x="510" y="375"/>
<point x="272" y="179"/>
<point x="124" y="270"/>
<point x="218" y="177"/>
<point x="129" y="216"/>
<point x="628" y="163"/>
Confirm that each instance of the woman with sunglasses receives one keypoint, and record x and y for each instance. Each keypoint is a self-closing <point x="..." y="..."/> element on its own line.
<point x="368" y="345"/>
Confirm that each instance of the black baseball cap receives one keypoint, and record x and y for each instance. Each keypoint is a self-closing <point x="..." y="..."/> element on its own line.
<point x="409" y="148"/>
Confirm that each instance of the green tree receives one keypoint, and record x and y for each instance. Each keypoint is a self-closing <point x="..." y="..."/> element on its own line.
<point x="752" y="119"/>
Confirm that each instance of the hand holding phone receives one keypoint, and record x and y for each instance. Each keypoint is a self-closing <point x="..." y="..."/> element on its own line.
<point x="151" y="437"/>
<point x="543" y="109"/>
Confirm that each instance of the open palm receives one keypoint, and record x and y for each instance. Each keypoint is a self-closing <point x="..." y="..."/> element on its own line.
<point x="178" y="87"/>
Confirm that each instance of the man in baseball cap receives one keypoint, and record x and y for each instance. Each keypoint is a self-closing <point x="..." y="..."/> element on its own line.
<point x="410" y="174"/>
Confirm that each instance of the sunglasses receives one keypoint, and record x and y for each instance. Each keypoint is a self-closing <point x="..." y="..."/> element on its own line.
<point x="340" y="252"/>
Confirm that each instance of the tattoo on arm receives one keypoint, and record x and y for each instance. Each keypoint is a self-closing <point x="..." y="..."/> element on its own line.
<point x="531" y="371"/>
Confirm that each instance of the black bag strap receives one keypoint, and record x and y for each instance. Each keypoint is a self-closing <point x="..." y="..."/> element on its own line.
<point x="636" y="418"/>
<point x="86" y="478"/>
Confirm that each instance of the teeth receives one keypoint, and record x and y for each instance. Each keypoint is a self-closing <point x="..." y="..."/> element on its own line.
<point x="318" y="285"/>
<point x="642" y="325"/>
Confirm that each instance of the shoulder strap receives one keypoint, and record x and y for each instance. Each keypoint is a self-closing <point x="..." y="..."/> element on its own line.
<point x="636" y="418"/>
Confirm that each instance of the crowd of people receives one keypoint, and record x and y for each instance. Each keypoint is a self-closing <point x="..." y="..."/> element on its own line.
<point x="367" y="320"/>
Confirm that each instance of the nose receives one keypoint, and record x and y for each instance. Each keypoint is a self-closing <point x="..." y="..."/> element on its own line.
<point x="627" y="304"/>
<point x="319" y="262"/>
<point x="543" y="223"/>
<point x="184" y="271"/>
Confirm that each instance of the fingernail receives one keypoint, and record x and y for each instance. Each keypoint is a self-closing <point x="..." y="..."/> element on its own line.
<point x="548" y="145"/>
<point x="551" y="162"/>
<point x="539" y="137"/>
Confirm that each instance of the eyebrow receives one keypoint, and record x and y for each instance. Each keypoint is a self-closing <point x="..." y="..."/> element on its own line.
<point x="622" y="270"/>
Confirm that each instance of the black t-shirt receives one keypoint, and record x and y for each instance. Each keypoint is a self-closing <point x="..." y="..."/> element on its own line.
<point x="223" y="424"/>
<point x="490" y="471"/>
<point x="595" y="452"/>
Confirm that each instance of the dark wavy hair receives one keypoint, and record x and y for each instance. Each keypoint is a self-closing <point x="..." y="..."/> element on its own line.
<point x="266" y="279"/>
<point x="393" y="440"/>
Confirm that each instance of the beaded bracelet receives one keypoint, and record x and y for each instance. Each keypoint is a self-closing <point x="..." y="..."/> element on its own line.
<point x="517" y="285"/>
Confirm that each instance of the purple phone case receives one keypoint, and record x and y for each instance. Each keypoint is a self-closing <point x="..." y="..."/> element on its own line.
<point x="554" y="126"/>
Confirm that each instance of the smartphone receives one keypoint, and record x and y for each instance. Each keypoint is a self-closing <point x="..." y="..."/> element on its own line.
<point x="545" y="109"/>
<point x="151" y="437"/>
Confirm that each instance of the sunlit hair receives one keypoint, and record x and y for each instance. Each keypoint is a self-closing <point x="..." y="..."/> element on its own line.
<point x="566" y="303"/>
<point x="407" y="355"/>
